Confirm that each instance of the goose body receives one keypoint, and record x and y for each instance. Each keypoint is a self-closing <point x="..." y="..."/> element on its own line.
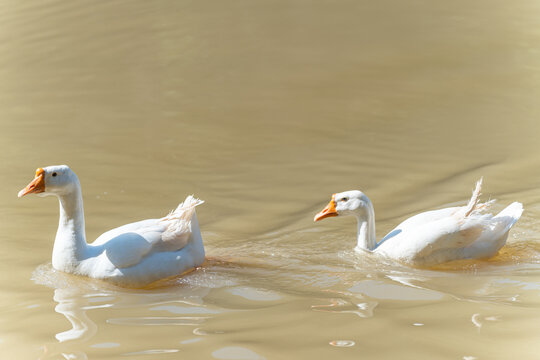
<point x="132" y="255"/>
<point x="432" y="237"/>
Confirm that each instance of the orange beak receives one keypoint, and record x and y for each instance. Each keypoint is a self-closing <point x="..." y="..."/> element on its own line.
<point x="328" y="211"/>
<point x="36" y="186"/>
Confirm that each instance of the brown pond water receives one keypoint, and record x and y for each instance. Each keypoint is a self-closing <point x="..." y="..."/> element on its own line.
<point x="264" y="109"/>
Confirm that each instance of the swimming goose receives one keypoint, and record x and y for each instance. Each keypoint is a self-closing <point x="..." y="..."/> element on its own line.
<point x="432" y="237"/>
<point x="132" y="255"/>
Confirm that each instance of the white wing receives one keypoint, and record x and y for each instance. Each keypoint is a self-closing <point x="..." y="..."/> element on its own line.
<point x="127" y="245"/>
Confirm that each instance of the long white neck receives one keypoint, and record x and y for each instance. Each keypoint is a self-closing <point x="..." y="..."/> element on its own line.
<point x="70" y="243"/>
<point x="366" y="228"/>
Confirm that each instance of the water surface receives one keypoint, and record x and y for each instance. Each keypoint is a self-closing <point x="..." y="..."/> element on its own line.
<point x="264" y="109"/>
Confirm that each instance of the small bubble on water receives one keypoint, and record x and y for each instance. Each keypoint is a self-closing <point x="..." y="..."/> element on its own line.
<point x="342" y="343"/>
<point x="418" y="324"/>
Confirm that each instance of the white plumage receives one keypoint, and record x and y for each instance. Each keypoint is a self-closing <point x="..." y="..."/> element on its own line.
<point x="135" y="254"/>
<point x="433" y="237"/>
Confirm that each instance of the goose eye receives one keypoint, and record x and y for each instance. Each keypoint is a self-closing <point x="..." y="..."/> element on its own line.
<point x="54" y="174"/>
<point x="345" y="199"/>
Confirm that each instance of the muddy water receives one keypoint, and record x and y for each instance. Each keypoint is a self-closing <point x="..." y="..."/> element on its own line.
<point x="264" y="109"/>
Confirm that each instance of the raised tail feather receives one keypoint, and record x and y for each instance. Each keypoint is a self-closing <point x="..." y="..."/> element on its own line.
<point x="475" y="198"/>
<point x="180" y="218"/>
<point x="185" y="209"/>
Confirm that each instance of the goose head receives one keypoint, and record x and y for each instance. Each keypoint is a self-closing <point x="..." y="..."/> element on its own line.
<point x="52" y="180"/>
<point x="353" y="202"/>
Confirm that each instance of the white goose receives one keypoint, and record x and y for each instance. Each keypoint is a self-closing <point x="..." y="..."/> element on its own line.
<point x="431" y="237"/>
<point x="132" y="255"/>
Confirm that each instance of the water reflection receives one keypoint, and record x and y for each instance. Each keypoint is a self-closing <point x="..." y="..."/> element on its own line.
<point x="73" y="305"/>
<point x="176" y="302"/>
<point x="342" y="306"/>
